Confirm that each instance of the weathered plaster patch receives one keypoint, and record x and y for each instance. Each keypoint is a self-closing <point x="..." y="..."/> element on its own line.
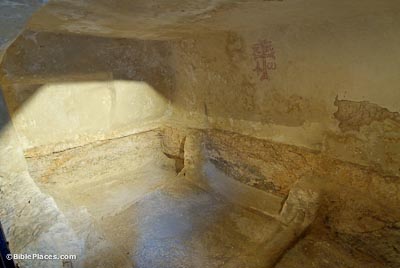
<point x="352" y="114"/>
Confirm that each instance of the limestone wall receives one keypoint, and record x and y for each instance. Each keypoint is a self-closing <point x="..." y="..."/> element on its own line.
<point x="334" y="88"/>
<point x="61" y="96"/>
<point x="330" y="84"/>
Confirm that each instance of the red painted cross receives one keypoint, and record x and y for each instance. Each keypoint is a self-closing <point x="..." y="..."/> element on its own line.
<point x="264" y="56"/>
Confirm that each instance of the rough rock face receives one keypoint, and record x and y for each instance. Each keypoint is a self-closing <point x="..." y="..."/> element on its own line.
<point x="31" y="219"/>
<point x="353" y="115"/>
<point x="205" y="133"/>
<point x="359" y="204"/>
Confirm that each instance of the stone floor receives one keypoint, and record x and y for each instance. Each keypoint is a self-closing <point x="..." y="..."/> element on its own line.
<point x="124" y="199"/>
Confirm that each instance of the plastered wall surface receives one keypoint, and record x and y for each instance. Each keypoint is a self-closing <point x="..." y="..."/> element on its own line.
<point x="321" y="70"/>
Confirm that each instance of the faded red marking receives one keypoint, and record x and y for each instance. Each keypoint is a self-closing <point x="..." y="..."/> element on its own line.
<point x="264" y="57"/>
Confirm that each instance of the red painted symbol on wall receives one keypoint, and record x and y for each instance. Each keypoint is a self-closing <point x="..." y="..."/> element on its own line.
<point x="264" y="56"/>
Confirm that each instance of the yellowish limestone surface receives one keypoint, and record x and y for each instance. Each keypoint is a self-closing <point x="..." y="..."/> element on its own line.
<point x="200" y="57"/>
<point x="207" y="133"/>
